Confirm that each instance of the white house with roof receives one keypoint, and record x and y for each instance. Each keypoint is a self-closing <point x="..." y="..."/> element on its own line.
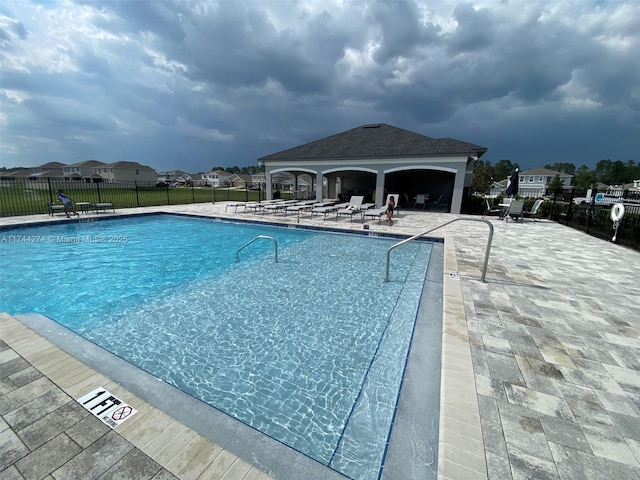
<point x="82" y="171"/>
<point x="535" y="182"/>
<point x="217" y="178"/>
<point x="170" y="176"/>
<point x="127" y="171"/>
<point x="375" y="159"/>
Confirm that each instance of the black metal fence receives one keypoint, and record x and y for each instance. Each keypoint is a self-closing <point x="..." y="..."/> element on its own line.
<point x="571" y="209"/>
<point x="34" y="196"/>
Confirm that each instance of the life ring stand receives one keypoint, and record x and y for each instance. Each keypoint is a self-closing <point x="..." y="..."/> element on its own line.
<point x="617" y="212"/>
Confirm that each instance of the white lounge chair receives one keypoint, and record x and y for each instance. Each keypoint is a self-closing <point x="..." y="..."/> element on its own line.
<point x="299" y="207"/>
<point x="234" y="205"/>
<point x="326" y="210"/>
<point x="379" y="212"/>
<point x="355" y="206"/>
<point x="533" y="213"/>
<point x="278" y="207"/>
<point x="103" y="206"/>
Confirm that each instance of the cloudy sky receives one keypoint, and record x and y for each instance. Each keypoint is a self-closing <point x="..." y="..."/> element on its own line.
<point x="192" y="84"/>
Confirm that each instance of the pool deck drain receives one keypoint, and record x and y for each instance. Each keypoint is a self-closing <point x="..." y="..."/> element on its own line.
<point x="540" y="369"/>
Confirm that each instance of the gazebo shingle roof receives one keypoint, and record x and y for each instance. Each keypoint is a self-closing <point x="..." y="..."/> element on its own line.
<point x="376" y="141"/>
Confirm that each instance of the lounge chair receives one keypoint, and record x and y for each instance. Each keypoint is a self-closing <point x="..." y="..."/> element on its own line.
<point x="104" y="206"/>
<point x="299" y="207"/>
<point x="278" y="206"/>
<point x="379" y="212"/>
<point x="533" y="213"/>
<point x="490" y="209"/>
<point x="53" y="208"/>
<point x="515" y="211"/>
<point x="234" y="205"/>
<point x="327" y="209"/>
<point x="355" y="206"/>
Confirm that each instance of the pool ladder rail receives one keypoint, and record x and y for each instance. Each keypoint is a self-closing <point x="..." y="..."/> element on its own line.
<point x="267" y="237"/>
<point x="407" y="240"/>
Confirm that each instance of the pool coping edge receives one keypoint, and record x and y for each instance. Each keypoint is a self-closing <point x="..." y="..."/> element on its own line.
<point x="461" y="453"/>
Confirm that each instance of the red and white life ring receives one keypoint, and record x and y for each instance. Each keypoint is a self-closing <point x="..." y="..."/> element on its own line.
<point x="617" y="212"/>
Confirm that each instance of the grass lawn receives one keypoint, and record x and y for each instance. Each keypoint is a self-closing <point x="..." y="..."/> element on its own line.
<point x="30" y="199"/>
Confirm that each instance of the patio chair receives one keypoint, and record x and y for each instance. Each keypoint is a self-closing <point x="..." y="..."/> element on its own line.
<point x="379" y="212"/>
<point x="327" y="209"/>
<point x="438" y="203"/>
<point x="53" y="208"/>
<point x="515" y="211"/>
<point x="421" y="199"/>
<point x="491" y="209"/>
<point x="104" y="206"/>
<point x="533" y="213"/>
<point x="355" y="206"/>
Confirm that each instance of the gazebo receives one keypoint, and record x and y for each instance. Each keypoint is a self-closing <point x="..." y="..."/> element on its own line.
<point x="374" y="159"/>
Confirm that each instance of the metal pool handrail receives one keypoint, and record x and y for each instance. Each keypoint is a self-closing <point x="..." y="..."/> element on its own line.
<point x="275" y="245"/>
<point x="486" y="255"/>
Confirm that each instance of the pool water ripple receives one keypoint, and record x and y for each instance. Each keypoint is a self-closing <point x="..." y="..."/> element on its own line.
<point x="309" y="350"/>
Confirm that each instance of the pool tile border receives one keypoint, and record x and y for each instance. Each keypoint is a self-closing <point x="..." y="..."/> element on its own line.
<point x="461" y="452"/>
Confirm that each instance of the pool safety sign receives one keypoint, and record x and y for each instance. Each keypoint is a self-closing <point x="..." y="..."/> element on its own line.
<point x="107" y="407"/>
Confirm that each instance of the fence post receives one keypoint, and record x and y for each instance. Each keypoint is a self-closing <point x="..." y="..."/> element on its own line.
<point x="213" y="193"/>
<point x="98" y="187"/>
<point x="570" y="209"/>
<point x="167" y="187"/>
<point x="50" y="190"/>
<point x="135" y="182"/>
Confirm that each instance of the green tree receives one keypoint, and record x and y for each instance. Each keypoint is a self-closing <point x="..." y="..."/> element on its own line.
<point x="632" y="171"/>
<point x="482" y="176"/>
<point x="584" y="178"/>
<point x="503" y="169"/>
<point x="556" y="184"/>
<point x="568" y="168"/>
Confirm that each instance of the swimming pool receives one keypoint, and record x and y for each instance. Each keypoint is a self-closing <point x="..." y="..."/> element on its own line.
<point x="297" y="349"/>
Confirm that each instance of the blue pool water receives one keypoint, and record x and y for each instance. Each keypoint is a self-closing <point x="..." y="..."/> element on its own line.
<point x="309" y="350"/>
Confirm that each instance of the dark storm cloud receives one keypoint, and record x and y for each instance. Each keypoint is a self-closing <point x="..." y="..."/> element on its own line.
<point x="190" y="85"/>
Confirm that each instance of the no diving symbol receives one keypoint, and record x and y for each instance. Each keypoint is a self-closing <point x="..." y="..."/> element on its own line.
<point x="121" y="413"/>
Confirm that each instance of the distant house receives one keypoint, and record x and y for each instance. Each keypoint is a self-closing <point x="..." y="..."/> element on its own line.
<point x="198" y="180"/>
<point x="82" y="171"/>
<point x="17" y="173"/>
<point x="497" y="188"/>
<point x="373" y="159"/>
<point x="170" y="177"/>
<point x="217" y="178"/>
<point x="47" y="170"/>
<point x="127" y="171"/>
<point x="190" y="179"/>
<point x="184" y="179"/>
<point x="535" y="182"/>
<point x="259" y="179"/>
<point x="239" y="180"/>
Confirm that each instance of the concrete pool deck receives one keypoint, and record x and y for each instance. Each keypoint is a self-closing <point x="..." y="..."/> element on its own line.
<point x="540" y="368"/>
